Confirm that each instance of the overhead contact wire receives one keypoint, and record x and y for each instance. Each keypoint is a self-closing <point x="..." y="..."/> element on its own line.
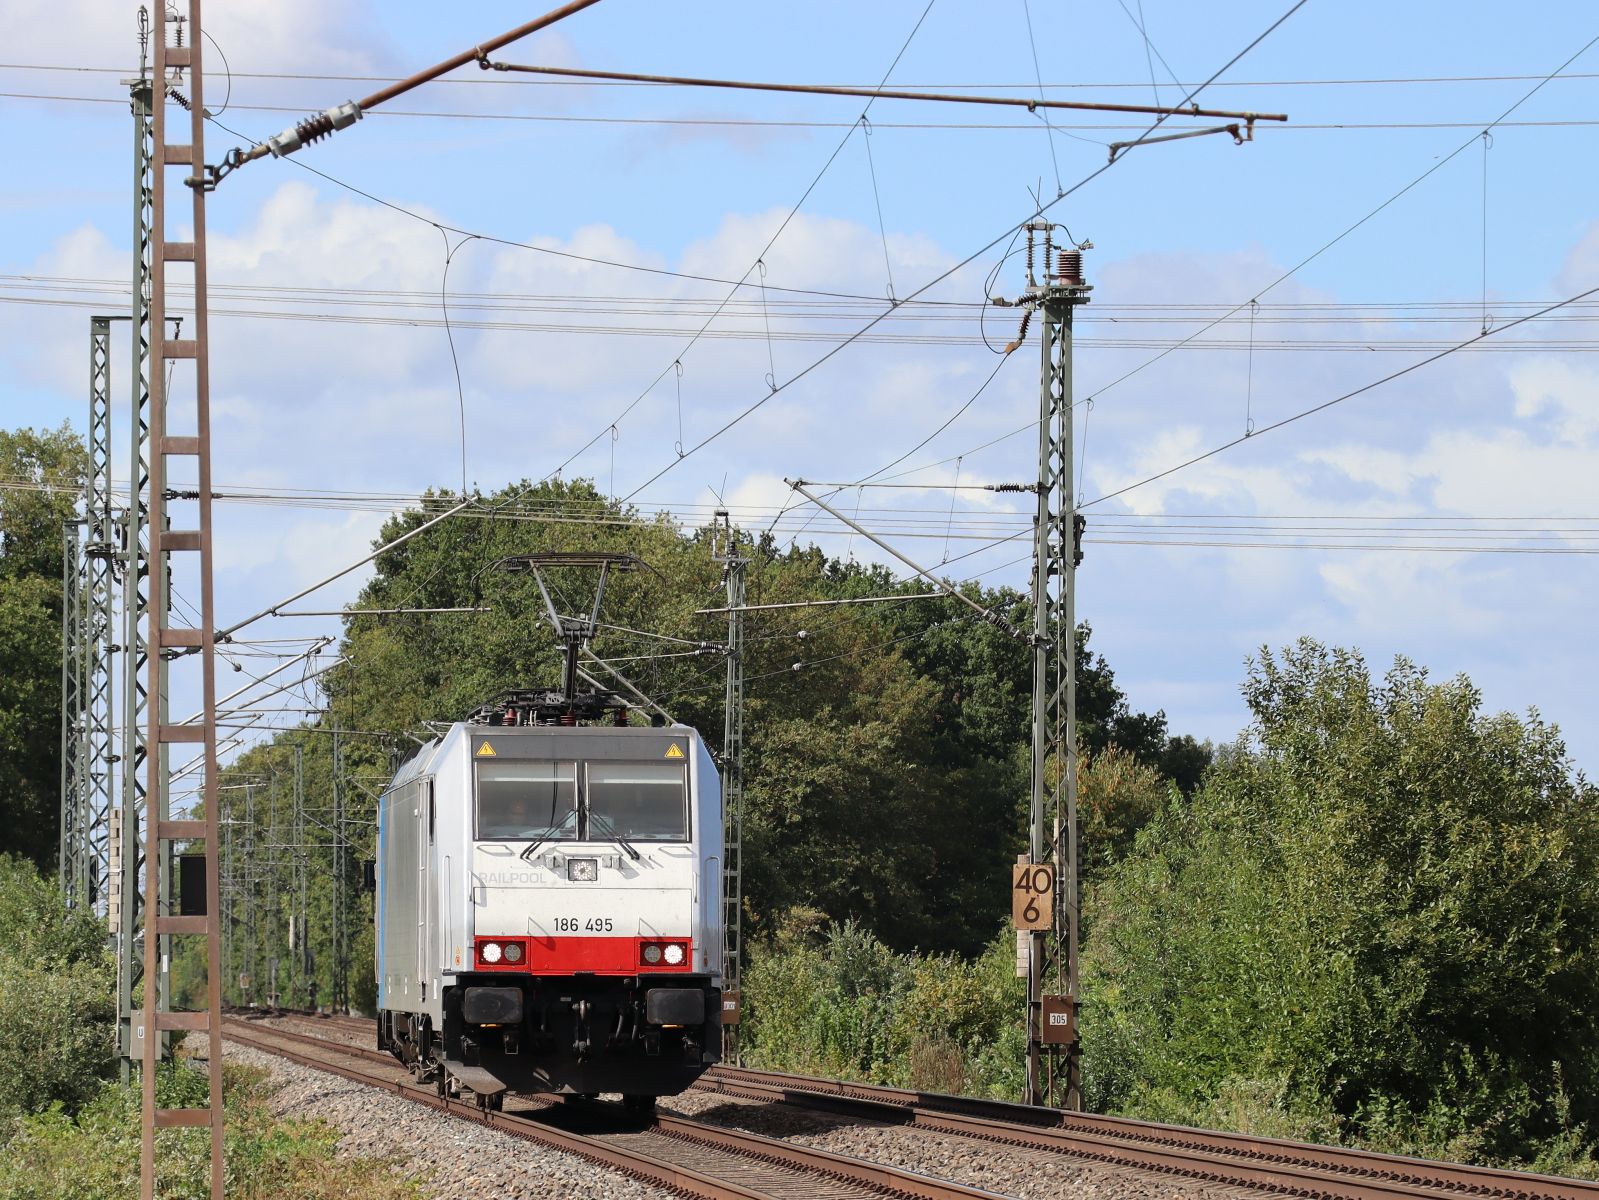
<point x="967" y="261"/>
<point x="1376" y="383"/>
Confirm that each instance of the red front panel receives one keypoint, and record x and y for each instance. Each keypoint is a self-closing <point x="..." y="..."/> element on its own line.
<point x="568" y="955"/>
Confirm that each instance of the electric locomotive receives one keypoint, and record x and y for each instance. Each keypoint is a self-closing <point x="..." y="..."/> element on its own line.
<point x="549" y="914"/>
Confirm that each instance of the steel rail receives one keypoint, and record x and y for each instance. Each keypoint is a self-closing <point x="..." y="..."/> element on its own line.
<point x="337" y="1018"/>
<point x="635" y="1165"/>
<point x="638" y="1164"/>
<point x="1292" y="1168"/>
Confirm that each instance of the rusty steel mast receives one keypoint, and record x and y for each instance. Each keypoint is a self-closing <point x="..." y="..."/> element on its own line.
<point x="180" y="548"/>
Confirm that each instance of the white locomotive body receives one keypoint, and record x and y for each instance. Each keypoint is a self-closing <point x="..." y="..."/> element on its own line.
<point x="549" y="914"/>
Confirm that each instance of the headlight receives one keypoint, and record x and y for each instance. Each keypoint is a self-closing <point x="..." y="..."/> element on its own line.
<point x="652" y="954"/>
<point x="583" y="870"/>
<point x="513" y="952"/>
<point x="674" y="953"/>
<point x="489" y="952"/>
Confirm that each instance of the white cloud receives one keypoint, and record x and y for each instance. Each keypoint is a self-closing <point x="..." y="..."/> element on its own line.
<point x="332" y="36"/>
<point x="352" y="405"/>
<point x="1387" y="594"/>
<point x="761" y="492"/>
<point x="1385" y="470"/>
<point x="1512" y="474"/>
<point x="1562" y="388"/>
<point x="1580" y="271"/>
<point x="368" y="407"/>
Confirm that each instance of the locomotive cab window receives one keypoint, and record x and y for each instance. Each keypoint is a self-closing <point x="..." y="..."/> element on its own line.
<point x="644" y="802"/>
<point x="526" y="801"/>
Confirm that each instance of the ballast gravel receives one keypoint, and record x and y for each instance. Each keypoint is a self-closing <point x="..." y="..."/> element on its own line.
<point x="453" y="1160"/>
<point x="460" y="1160"/>
<point x="1007" y="1170"/>
<point x="341" y="1031"/>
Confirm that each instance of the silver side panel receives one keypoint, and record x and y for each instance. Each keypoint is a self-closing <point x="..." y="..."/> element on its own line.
<point x="707" y="785"/>
<point x="403" y="825"/>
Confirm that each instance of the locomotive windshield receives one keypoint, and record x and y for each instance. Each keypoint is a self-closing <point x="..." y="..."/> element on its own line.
<point x="522" y="801"/>
<point x="643" y="802"/>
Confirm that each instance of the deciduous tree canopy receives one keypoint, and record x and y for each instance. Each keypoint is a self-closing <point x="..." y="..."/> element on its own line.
<point x="1382" y="906"/>
<point x="42" y="474"/>
<point x="887" y="744"/>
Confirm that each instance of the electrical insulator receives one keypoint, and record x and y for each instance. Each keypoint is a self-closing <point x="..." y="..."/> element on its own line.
<point x="314" y="129"/>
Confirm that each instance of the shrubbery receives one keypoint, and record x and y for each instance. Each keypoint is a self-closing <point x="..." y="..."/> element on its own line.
<point x="95" y="1156"/>
<point x="1375" y="922"/>
<point x="57" y="996"/>
<point x="68" y="1133"/>
<point x="1378" y="919"/>
<point x="836" y="1001"/>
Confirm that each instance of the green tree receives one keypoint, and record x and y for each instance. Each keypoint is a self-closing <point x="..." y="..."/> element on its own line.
<point x="41" y="475"/>
<point x="1381" y="905"/>
<point x="886" y="744"/>
<point x="1117" y="795"/>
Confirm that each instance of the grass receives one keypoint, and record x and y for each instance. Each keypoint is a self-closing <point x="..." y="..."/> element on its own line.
<point x="94" y="1155"/>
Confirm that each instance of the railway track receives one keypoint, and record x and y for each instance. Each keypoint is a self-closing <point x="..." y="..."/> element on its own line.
<point x="1238" y="1160"/>
<point x="687" y="1156"/>
<point x="1228" y="1159"/>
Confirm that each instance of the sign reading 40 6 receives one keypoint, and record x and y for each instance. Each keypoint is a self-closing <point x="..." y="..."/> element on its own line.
<point x="1032" y="896"/>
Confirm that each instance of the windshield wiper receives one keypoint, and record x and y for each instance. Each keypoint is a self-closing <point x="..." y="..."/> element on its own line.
<point x="615" y="837"/>
<point x="553" y="830"/>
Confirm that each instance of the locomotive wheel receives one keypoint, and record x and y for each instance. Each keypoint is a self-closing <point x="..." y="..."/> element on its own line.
<point x="494" y="1103"/>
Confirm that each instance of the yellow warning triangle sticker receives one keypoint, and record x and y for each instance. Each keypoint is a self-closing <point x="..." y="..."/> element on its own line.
<point x="485" y="751"/>
<point x="674" y="751"/>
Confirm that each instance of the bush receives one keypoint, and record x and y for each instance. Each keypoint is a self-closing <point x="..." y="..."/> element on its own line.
<point x="57" y="997"/>
<point x="839" y="1003"/>
<point x="1117" y="795"/>
<point x="823" y="1004"/>
<point x="95" y="1156"/>
<point x="1380" y="910"/>
<point x="1376" y="922"/>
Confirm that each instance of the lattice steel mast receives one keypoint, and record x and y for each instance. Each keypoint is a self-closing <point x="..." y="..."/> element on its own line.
<point x="724" y="549"/>
<point x="301" y="991"/>
<point x="248" y="981"/>
<point x="100" y="549"/>
<point x="72" y="848"/>
<point x="89" y="551"/>
<point x="1053" y="1055"/>
<point x="128" y="919"/>
<point x="340" y="995"/>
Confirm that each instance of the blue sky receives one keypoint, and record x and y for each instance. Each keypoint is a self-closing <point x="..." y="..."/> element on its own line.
<point x="1487" y="448"/>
